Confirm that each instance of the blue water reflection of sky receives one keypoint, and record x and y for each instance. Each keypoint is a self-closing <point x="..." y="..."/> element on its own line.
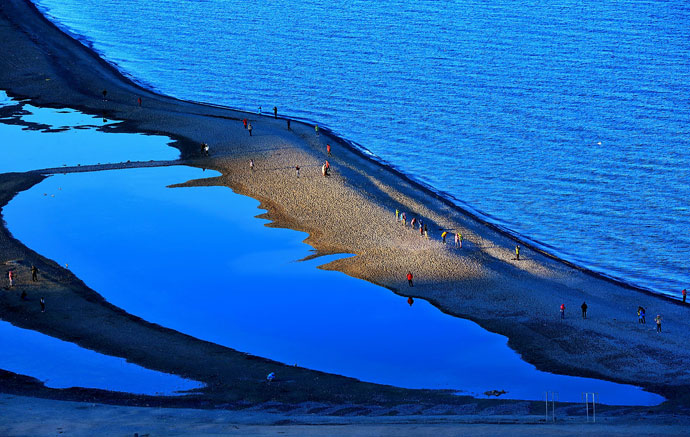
<point x="196" y="260"/>
<point x="59" y="364"/>
<point x="78" y="141"/>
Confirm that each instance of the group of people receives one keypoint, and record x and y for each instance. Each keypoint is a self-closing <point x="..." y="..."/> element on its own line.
<point x="641" y="315"/>
<point x="415" y="223"/>
<point x="34" y="278"/>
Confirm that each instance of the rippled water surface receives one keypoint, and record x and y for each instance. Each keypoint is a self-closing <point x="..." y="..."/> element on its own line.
<point x="567" y="122"/>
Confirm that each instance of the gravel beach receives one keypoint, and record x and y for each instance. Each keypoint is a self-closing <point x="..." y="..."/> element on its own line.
<point x="350" y="211"/>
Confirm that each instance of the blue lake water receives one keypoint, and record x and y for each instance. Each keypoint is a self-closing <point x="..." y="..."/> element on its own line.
<point x="55" y="363"/>
<point x="74" y="140"/>
<point x="566" y="123"/>
<point x="196" y="260"/>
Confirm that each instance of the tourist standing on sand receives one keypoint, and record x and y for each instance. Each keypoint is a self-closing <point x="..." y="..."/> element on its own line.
<point x="457" y="240"/>
<point x="657" y="319"/>
<point x="323" y="170"/>
<point x="251" y="164"/>
<point x="584" y="310"/>
<point x="421" y="229"/>
<point x="10" y="276"/>
<point x="205" y="149"/>
<point x="244" y="121"/>
<point x="685" y="294"/>
<point x="404" y="219"/>
<point x="443" y="236"/>
<point x="43" y="305"/>
<point x="517" y="253"/>
<point x="397" y="215"/>
<point x="409" y="279"/>
<point x="562" y="311"/>
<point x="641" y="315"/>
<point x="139" y="101"/>
<point x="426" y="232"/>
<point x="328" y="149"/>
<point x="259" y="109"/>
<point x="275" y="112"/>
<point x="249" y="127"/>
<point x="316" y="128"/>
<point x="34" y="273"/>
<point x="288" y="123"/>
<point x="297" y="170"/>
<point x="413" y="221"/>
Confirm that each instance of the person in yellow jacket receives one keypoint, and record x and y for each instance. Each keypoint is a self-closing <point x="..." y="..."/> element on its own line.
<point x="443" y="236"/>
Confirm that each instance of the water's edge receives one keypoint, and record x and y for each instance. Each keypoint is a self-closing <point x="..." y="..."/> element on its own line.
<point x="360" y="150"/>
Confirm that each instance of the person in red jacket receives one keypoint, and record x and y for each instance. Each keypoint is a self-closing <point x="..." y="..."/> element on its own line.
<point x="562" y="311"/>
<point x="409" y="279"/>
<point x="685" y="294"/>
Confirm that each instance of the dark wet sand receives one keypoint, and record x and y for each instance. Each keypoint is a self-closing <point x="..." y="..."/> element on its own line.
<point x="352" y="212"/>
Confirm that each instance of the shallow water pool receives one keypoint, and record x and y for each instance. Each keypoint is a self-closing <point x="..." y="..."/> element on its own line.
<point x="196" y="260"/>
<point x="36" y="138"/>
<point x="55" y="362"/>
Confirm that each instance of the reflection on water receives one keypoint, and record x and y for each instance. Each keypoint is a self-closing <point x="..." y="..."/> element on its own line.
<point x="74" y="140"/>
<point x="195" y="260"/>
<point x="59" y="364"/>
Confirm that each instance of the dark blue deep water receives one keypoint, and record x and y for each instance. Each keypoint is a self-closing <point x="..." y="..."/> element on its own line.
<point x="567" y="123"/>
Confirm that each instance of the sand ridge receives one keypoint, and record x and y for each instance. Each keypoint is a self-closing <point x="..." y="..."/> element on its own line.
<point x="352" y="211"/>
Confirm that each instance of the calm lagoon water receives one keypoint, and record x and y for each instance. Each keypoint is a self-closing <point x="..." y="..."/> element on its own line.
<point x="565" y="122"/>
<point x="74" y="139"/>
<point x="54" y="362"/>
<point x="196" y="260"/>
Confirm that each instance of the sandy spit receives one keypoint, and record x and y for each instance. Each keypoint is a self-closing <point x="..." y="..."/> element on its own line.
<point x="352" y="211"/>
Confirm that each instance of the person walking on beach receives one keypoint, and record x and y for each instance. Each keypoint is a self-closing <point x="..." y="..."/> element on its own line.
<point x="139" y="101"/>
<point x="297" y="170"/>
<point x="443" y="236"/>
<point x="251" y="164"/>
<point x="409" y="279"/>
<point x="249" y="127"/>
<point x="517" y="253"/>
<point x="244" y="121"/>
<point x="426" y="232"/>
<point x="421" y="229"/>
<point x="275" y="112"/>
<point x="323" y="170"/>
<point x="205" y="149"/>
<point x="657" y="319"/>
<point x="457" y="240"/>
<point x="10" y="276"/>
<point x="404" y="219"/>
<point x="105" y="93"/>
<point x="584" y="310"/>
<point x="641" y="315"/>
<point x="328" y="149"/>
<point x="259" y="109"/>
<point x="685" y="294"/>
<point x="34" y="273"/>
<point x="43" y="305"/>
<point x="288" y="123"/>
<point x="397" y="215"/>
<point x="413" y="221"/>
<point x="562" y="311"/>
<point x="316" y="128"/>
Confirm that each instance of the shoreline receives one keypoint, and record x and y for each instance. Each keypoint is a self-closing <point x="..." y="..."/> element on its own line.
<point x="232" y="162"/>
<point x="524" y="240"/>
